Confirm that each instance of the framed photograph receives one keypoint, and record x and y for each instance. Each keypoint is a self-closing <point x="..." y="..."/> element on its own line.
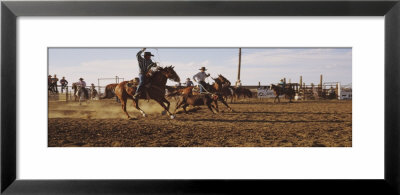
<point x="213" y="97"/>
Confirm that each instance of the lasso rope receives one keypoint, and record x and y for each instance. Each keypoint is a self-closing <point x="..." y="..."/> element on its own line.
<point x="158" y="56"/>
<point x="207" y="92"/>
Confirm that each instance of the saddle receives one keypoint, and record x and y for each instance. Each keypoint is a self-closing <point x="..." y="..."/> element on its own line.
<point x="133" y="83"/>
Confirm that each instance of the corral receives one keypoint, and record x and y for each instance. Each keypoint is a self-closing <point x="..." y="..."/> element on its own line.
<point x="253" y="123"/>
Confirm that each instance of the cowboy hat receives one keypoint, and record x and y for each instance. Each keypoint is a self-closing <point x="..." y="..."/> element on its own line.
<point x="148" y="54"/>
<point x="203" y="68"/>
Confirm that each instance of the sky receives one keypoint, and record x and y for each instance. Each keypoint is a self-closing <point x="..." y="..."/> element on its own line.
<point x="264" y="65"/>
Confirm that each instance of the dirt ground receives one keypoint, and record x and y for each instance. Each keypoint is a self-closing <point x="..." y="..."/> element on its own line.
<point x="254" y="123"/>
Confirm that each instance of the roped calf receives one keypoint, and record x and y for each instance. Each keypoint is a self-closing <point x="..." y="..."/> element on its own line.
<point x="198" y="100"/>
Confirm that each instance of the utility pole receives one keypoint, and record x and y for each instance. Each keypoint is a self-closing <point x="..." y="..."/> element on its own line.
<point x="238" y="83"/>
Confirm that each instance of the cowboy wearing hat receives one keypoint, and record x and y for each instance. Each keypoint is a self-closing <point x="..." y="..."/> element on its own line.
<point x="92" y="87"/>
<point x="63" y="83"/>
<point x="282" y="83"/>
<point x="82" y="84"/>
<point x="50" y="83"/>
<point x="201" y="77"/>
<point x="55" y="80"/>
<point x="145" y="64"/>
<point x="188" y="82"/>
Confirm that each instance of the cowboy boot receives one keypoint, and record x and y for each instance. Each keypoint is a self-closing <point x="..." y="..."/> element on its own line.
<point x="138" y="93"/>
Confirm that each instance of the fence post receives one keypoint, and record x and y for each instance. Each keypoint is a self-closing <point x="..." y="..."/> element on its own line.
<point x="98" y="85"/>
<point x="301" y="81"/>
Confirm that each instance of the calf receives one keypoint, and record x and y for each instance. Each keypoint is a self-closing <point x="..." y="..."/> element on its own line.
<point x="198" y="100"/>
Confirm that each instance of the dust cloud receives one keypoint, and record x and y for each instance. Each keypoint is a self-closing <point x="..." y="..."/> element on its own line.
<point x="102" y="109"/>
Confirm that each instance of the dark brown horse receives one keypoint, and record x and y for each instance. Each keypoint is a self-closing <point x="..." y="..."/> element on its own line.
<point x="224" y="90"/>
<point x="240" y="92"/>
<point x="220" y="88"/>
<point x="155" y="91"/>
<point x="288" y="91"/>
<point x="225" y="82"/>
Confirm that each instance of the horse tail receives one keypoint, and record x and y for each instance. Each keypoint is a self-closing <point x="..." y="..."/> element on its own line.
<point x="109" y="92"/>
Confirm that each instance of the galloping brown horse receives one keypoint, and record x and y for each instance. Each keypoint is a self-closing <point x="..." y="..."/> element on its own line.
<point x="224" y="89"/>
<point x="240" y="91"/>
<point x="225" y="82"/>
<point x="156" y="91"/>
<point x="287" y="91"/>
<point x="220" y="88"/>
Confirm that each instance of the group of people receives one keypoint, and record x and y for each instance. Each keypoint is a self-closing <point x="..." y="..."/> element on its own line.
<point x="200" y="78"/>
<point x="145" y="64"/>
<point x="52" y="83"/>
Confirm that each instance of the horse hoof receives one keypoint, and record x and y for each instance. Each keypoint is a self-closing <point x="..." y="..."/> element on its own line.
<point x="144" y="115"/>
<point x="163" y="112"/>
<point x="172" y="116"/>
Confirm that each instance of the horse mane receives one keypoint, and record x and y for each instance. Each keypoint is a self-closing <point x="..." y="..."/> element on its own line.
<point x="159" y="69"/>
<point x="229" y="82"/>
<point x="220" y="75"/>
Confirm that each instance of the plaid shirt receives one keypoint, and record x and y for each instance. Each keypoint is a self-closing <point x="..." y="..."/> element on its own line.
<point x="144" y="65"/>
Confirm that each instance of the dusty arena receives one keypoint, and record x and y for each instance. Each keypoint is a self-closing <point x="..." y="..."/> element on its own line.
<point x="254" y="123"/>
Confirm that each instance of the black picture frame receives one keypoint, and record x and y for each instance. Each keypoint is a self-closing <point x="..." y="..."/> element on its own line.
<point x="11" y="10"/>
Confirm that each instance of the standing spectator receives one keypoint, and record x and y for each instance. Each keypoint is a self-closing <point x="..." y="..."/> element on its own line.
<point x="54" y="81"/>
<point x="50" y="83"/>
<point x="63" y="83"/>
